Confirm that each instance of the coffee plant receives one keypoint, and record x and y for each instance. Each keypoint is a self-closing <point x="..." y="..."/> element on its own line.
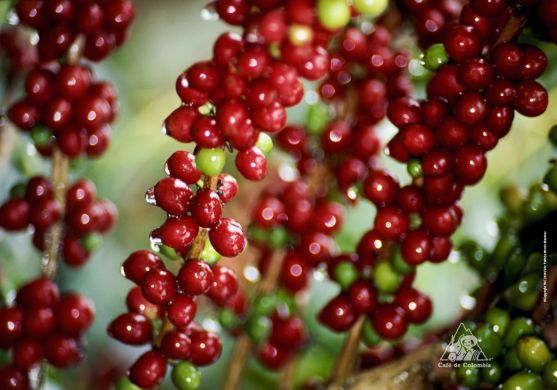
<point x="447" y="76"/>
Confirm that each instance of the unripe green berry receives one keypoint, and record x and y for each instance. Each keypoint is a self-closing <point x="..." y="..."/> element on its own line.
<point x="125" y="384"/>
<point x="18" y="191"/>
<point x="385" y="278"/>
<point x="498" y="319"/>
<point x="524" y="293"/>
<point x="264" y="305"/>
<point x="91" y="241"/>
<point x="371" y="8"/>
<point x="517" y="328"/>
<point x="400" y="265"/>
<point x="468" y="376"/>
<point x="228" y="319"/>
<point x="489" y="341"/>
<point x="209" y="254"/>
<point x="414" y="168"/>
<point x="279" y="237"/>
<point x="317" y="118"/>
<point x="41" y="135"/>
<point x="258" y="234"/>
<point x="533" y="352"/>
<point x="264" y="143"/>
<point x="346" y="273"/>
<point x="511" y="360"/>
<point x="512" y="198"/>
<point x="551" y="178"/>
<point x="492" y="374"/>
<point x="550" y="375"/>
<point x="333" y="14"/>
<point x="210" y="161"/>
<point x="258" y="328"/>
<point x="475" y="255"/>
<point x="435" y="57"/>
<point x="186" y="376"/>
<point x="369" y="335"/>
<point x="523" y="381"/>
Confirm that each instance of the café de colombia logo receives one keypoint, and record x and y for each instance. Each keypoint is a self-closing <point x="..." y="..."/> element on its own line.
<point x="464" y="350"/>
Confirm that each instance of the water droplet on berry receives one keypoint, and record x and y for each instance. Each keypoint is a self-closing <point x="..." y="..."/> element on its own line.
<point x="209" y="12"/>
<point x="156" y="243"/>
<point x="164" y="130"/>
<point x="150" y="197"/>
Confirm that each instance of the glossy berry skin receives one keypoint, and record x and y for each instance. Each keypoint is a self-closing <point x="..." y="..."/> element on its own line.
<point x="273" y="357"/>
<point x="338" y="314"/>
<point x="295" y="272"/>
<point x="74" y="314"/>
<point x="159" y="286"/>
<point x="148" y="370"/>
<point x="415" y="247"/>
<point x="13" y="378"/>
<point x="462" y="43"/>
<point x="362" y="297"/>
<point x="181" y="165"/>
<point x="475" y="73"/>
<point x="228" y="238"/>
<point x="391" y="223"/>
<point x="137" y="303"/>
<point x="252" y="164"/>
<point x="417" y="139"/>
<point x="179" y="233"/>
<point x="11" y="325"/>
<point x="470" y="164"/>
<point x="40" y="292"/>
<point x="381" y="188"/>
<point x="62" y="351"/>
<point x="418" y="306"/>
<point x="181" y="311"/>
<point x="288" y="333"/>
<point x="471" y="108"/>
<point x="15" y="215"/>
<point x="205" y="348"/>
<point x="389" y="321"/>
<point x="26" y="353"/>
<point x="225" y="285"/>
<point x="531" y="98"/>
<point x="227" y="187"/>
<point x="507" y="59"/>
<point x="132" y="329"/>
<point x="195" y="277"/>
<point x="172" y="195"/>
<point x="139" y="263"/>
<point x="206" y="208"/>
<point x="176" y="345"/>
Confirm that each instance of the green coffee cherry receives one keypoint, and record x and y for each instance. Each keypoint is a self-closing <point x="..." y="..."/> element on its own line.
<point x="492" y="374"/>
<point x="399" y="265"/>
<point x="333" y="14"/>
<point x="553" y="135"/>
<point x="258" y="234"/>
<point x="435" y="57"/>
<point x="91" y="241"/>
<point x="210" y="161"/>
<point x="264" y="305"/>
<point x="286" y="300"/>
<point x="512" y="198"/>
<point x="369" y="336"/>
<point x="264" y="143"/>
<point x="533" y="352"/>
<point x="550" y="375"/>
<point x="517" y="328"/>
<point x="468" y="376"/>
<point x="534" y="264"/>
<point x="258" y="328"/>
<point x="498" y="319"/>
<point x="317" y="118"/>
<point x="346" y="273"/>
<point x="125" y="384"/>
<point x="371" y="8"/>
<point x="18" y="190"/>
<point x="228" y="319"/>
<point x="209" y="254"/>
<point x="186" y="376"/>
<point x="511" y="360"/>
<point x="523" y="381"/>
<point x="503" y="248"/>
<point x="414" y="168"/>
<point x="514" y="266"/>
<point x="475" y="255"/>
<point x="385" y="278"/>
<point x="279" y="237"/>
<point x="535" y="206"/>
<point x="489" y="341"/>
<point x="524" y="293"/>
<point x="169" y="252"/>
<point x="41" y="135"/>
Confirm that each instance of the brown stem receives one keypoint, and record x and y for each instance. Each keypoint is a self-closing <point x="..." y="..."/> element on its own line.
<point x="347" y="357"/>
<point x="513" y="26"/>
<point x="239" y="358"/>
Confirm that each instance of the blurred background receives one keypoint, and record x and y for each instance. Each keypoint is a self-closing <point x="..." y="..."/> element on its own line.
<point x="166" y="38"/>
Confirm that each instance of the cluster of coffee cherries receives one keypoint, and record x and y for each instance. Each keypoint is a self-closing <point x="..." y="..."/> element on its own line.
<point x="86" y="217"/>
<point x="161" y="295"/>
<point x="18" y="54"/>
<point x="65" y="108"/>
<point x="42" y="324"/>
<point x="102" y="23"/>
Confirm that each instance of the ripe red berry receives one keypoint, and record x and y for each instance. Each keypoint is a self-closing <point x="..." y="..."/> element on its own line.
<point x="273" y="357"/>
<point x="417" y="305"/>
<point x="13" y="378"/>
<point x="205" y="348"/>
<point x="531" y="98"/>
<point x="391" y="223"/>
<point x="338" y="314"/>
<point x="26" y="353"/>
<point x="389" y="321"/>
<point x="74" y="314"/>
<point x="15" y="215"/>
<point x="11" y="325"/>
<point x="417" y="139"/>
<point x="228" y="238"/>
<point x="181" y="165"/>
<point x="415" y="247"/>
<point x="131" y="329"/>
<point x="137" y="303"/>
<point x="362" y="297"/>
<point x="470" y="164"/>
<point x="206" y="208"/>
<point x="225" y="285"/>
<point x="295" y="272"/>
<point x="172" y="195"/>
<point x="179" y="233"/>
<point x="139" y="263"/>
<point x="507" y="59"/>
<point x="176" y="345"/>
<point x="462" y="43"/>
<point x="181" y="311"/>
<point x="159" y="286"/>
<point x="62" y="351"/>
<point x="148" y="370"/>
<point x="40" y="292"/>
<point x="252" y="163"/>
<point x="195" y="277"/>
<point x="381" y="188"/>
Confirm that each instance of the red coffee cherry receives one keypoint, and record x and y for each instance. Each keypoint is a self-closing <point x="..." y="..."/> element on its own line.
<point x="206" y="208"/>
<point x="14" y="378"/>
<point x="338" y="314"/>
<point x="181" y="311"/>
<point x="381" y="188"/>
<point x="391" y="223"/>
<point x="40" y="292"/>
<point x="62" y="351"/>
<point x="228" y="238"/>
<point x="26" y="353"/>
<point x="11" y="325"/>
<point x="252" y="163"/>
<point x="205" y="348"/>
<point x="389" y="321"/>
<point x="417" y="305"/>
<point x="139" y="263"/>
<point x="225" y="285"/>
<point x="415" y="247"/>
<point x="462" y="43"/>
<point x="172" y="195"/>
<point x="179" y="233"/>
<point x="176" y="345"/>
<point x="181" y="165"/>
<point x="295" y="272"/>
<point x="137" y="303"/>
<point x="195" y="277"/>
<point x="74" y="314"/>
<point x="362" y="297"/>
<point x="15" y="215"/>
<point x="148" y="370"/>
<point x="131" y="328"/>
<point x="159" y="286"/>
<point x="273" y="357"/>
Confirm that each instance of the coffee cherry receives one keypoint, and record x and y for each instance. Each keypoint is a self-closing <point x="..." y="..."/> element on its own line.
<point x="435" y="56"/>
<point x="139" y="263"/>
<point x="417" y="139"/>
<point x="179" y="233"/>
<point x="415" y="247"/>
<point x="346" y="273"/>
<point x="13" y="378"/>
<point x="338" y="314"/>
<point x="272" y="357"/>
<point x="176" y="345"/>
<point x="381" y="188"/>
<point x="148" y="370"/>
<point x="333" y="14"/>
<point x="11" y="325"/>
<point x="533" y="353"/>
<point x="489" y="341"/>
<point x="40" y="292"/>
<point x="468" y="376"/>
<point x="385" y="278"/>
<point x="228" y="238"/>
<point x="137" y="303"/>
<point x="227" y="187"/>
<point x="370" y="7"/>
<point x="26" y="353"/>
<point x="391" y="223"/>
<point x="518" y="327"/>
<point x="181" y="311"/>
<point x="172" y="195"/>
<point x="132" y="329"/>
<point x="15" y="215"/>
<point x="159" y="286"/>
<point x="74" y="314"/>
<point x="252" y="163"/>
<point x="195" y="277"/>
<point x="523" y="380"/>
<point x="205" y="348"/>
<point x="498" y="319"/>
<point x="186" y="376"/>
<point x="288" y="333"/>
<point x="507" y="59"/>
<point x="362" y="297"/>
<point x="550" y="374"/>
<point x="225" y="285"/>
<point x="181" y="165"/>
<point x="470" y="164"/>
<point x="294" y="273"/>
<point x="462" y="43"/>
<point x="471" y="108"/>
<point x="531" y="98"/>
<point x="417" y="305"/>
<point x="210" y="161"/>
<point x="389" y="321"/>
<point x="62" y="351"/>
